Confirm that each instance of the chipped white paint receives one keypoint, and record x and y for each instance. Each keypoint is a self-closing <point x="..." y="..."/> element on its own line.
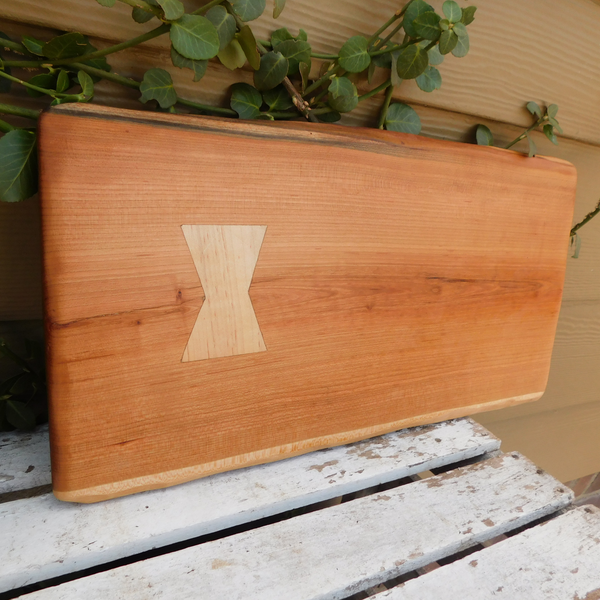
<point x="44" y="538"/>
<point x="558" y="559"/>
<point x="24" y="460"/>
<point x="333" y="553"/>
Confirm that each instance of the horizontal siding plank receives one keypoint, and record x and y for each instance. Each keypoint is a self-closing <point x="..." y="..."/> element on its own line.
<point x="33" y="529"/>
<point x="492" y="82"/>
<point x="333" y="553"/>
<point x="558" y="559"/>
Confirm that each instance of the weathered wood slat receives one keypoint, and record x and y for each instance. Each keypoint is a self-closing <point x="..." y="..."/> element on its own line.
<point x="33" y="529"/>
<point x="24" y="460"/>
<point x="558" y="559"/>
<point x="333" y="553"/>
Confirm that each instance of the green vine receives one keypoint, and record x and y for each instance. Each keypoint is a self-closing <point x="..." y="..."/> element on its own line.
<point x="66" y="68"/>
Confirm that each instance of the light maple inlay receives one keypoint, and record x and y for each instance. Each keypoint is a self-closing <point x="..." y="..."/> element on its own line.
<point x="225" y="257"/>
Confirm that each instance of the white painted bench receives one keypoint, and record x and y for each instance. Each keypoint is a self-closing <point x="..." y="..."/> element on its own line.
<point x="367" y="519"/>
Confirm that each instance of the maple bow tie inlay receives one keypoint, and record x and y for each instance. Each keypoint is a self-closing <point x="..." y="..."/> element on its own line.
<point x="225" y="257"/>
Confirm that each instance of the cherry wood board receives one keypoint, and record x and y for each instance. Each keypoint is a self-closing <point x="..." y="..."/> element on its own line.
<point x="221" y="293"/>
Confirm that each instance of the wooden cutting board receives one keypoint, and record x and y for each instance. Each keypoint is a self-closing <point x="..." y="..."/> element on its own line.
<point x="221" y="293"/>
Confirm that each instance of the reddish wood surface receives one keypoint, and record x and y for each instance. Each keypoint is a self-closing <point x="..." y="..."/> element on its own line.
<point x="400" y="280"/>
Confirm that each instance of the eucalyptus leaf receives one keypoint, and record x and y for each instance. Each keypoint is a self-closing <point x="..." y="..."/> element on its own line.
<point x="278" y="7"/>
<point x="46" y="81"/>
<point x="197" y="66"/>
<point x="280" y="35"/>
<point x="302" y="35"/>
<point x="272" y="71"/>
<point x="87" y="85"/>
<point x="532" y="146"/>
<point x="459" y="29"/>
<point x="245" y="100"/>
<point x="429" y="80"/>
<point x="403" y="118"/>
<point x="534" y="109"/>
<point x="413" y="10"/>
<point x="484" y="136"/>
<point x="248" y="43"/>
<point x="67" y="45"/>
<point x="62" y="82"/>
<point x="158" y="85"/>
<point x="232" y="56"/>
<point x="33" y="45"/>
<point x="452" y="11"/>
<point x="462" y="46"/>
<point x="173" y="9"/>
<point x="427" y="25"/>
<point x="139" y="15"/>
<point x="412" y="61"/>
<point x="354" y="56"/>
<point x="552" y="110"/>
<point x="549" y="132"/>
<point x="555" y="124"/>
<point x="248" y="10"/>
<point x="195" y="37"/>
<point x="18" y="165"/>
<point x="435" y="57"/>
<point x="278" y="99"/>
<point x="19" y="415"/>
<point x="108" y="3"/>
<point x="468" y="15"/>
<point x="343" y="95"/>
<point x="296" y="51"/>
<point x="444" y="24"/>
<point x="224" y="24"/>
<point x="448" y="41"/>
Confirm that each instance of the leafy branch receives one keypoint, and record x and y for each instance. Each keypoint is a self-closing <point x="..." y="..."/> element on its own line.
<point x="68" y="67"/>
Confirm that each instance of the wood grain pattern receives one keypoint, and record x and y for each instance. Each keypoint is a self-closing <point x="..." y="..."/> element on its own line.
<point x="378" y="313"/>
<point x="225" y="257"/>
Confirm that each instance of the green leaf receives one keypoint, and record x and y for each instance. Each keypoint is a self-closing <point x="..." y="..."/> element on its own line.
<point x="87" y="85"/>
<point x="233" y="56"/>
<point x="97" y="63"/>
<point x="19" y="415"/>
<point x="18" y="166"/>
<point x="382" y="60"/>
<point x="452" y="11"/>
<point x="265" y="117"/>
<point x="6" y="84"/>
<point x="224" y="24"/>
<point x="427" y="25"/>
<point x="330" y="117"/>
<point x="448" y="41"/>
<point x="245" y="100"/>
<point x="272" y="71"/>
<point x="552" y="110"/>
<point x="354" y="56"/>
<point x="195" y="37"/>
<point x="7" y="384"/>
<point x="139" y="15"/>
<point x="197" y="66"/>
<point x="43" y="80"/>
<point x="532" y="146"/>
<point x="248" y="10"/>
<point x="62" y="83"/>
<point x="34" y="46"/>
<point x="278" y="99"/>
<point x="414" y="9"/>
<point x="468" y="14"/>
<point x="435" y="57"/>
<point x="108" y="3"/>
<point x="173" y="9"/>
<point x="429" y="80"/>
<point x="296" y="51"/>
<point x="444" y="24"/>
<point x="394" y="77"/>
<point x="484" y="136"/>
<point x="248" y="43"/>
<point x="462" y="46"/>
<point x="67" y="45"/>
<point x="304" y="69"/>
<point x="158" y="85"/>
<point x="555" y="124"/>
<point x="280" y="35"/>
<point x="401" y="117"/>
<point x="412" y="61"/>
<point x="278" y="7"/>
<point x="343" y="95"/>
<point x="371" y="72"/>
<point x="460" y="30"/>
<point x="302" y="35"/>
<point x="534" y="109"/>
<point x="549" y="131"/>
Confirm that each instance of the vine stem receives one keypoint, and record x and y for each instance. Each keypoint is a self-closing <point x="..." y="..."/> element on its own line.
<point x="386" y="105"/>
<point x="18" y="111"/>
<point x="585" y="219"/>
<point x="206" y="7"/>
<point x="528" y="130"/>
<point x="41" y="90"/>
